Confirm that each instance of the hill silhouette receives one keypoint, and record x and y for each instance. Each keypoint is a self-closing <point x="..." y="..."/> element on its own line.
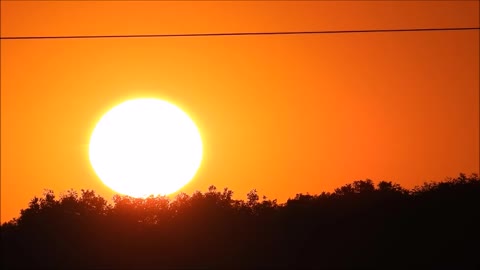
<point x="358" y="226"/>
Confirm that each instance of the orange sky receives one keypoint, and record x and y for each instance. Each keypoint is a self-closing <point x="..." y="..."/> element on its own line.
<point x="282" y="114"/>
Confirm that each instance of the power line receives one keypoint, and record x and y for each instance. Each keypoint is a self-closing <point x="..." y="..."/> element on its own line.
<point x="242" y="33"/>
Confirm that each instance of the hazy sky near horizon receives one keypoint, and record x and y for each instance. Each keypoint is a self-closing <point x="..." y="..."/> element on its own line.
<point x="282" y="114"/>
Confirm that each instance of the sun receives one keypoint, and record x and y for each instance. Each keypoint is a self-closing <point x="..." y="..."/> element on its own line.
<point x="145" y="147"/>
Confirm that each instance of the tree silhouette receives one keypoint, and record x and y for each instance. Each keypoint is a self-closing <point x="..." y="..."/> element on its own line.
<point x="359" y="225"/>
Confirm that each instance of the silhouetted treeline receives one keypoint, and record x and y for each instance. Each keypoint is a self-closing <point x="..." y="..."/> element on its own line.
<point x="359" y="225"/>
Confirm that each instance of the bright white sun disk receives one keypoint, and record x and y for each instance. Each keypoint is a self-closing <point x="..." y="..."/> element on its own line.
<point x="145" y="147"/>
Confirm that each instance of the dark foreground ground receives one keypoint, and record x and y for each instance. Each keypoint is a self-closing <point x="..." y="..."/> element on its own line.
<point x="359" y="226"/>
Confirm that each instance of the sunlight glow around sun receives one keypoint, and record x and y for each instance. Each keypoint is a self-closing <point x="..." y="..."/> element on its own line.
<point x="145" y="147"/>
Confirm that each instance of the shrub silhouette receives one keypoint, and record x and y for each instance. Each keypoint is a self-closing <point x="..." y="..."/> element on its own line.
<point x="359" y="225"/>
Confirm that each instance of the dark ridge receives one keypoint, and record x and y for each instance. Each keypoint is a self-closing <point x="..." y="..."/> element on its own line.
<point x="359" y="226"/>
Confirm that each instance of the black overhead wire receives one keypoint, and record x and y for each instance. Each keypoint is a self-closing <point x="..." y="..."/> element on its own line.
<point x="242" y="33"/>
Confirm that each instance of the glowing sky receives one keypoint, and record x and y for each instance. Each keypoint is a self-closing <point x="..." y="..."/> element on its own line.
<point x="282" y="114"/>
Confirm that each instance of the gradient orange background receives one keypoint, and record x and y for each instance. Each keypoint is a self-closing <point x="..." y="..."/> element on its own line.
<point x="282" y="114"/>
